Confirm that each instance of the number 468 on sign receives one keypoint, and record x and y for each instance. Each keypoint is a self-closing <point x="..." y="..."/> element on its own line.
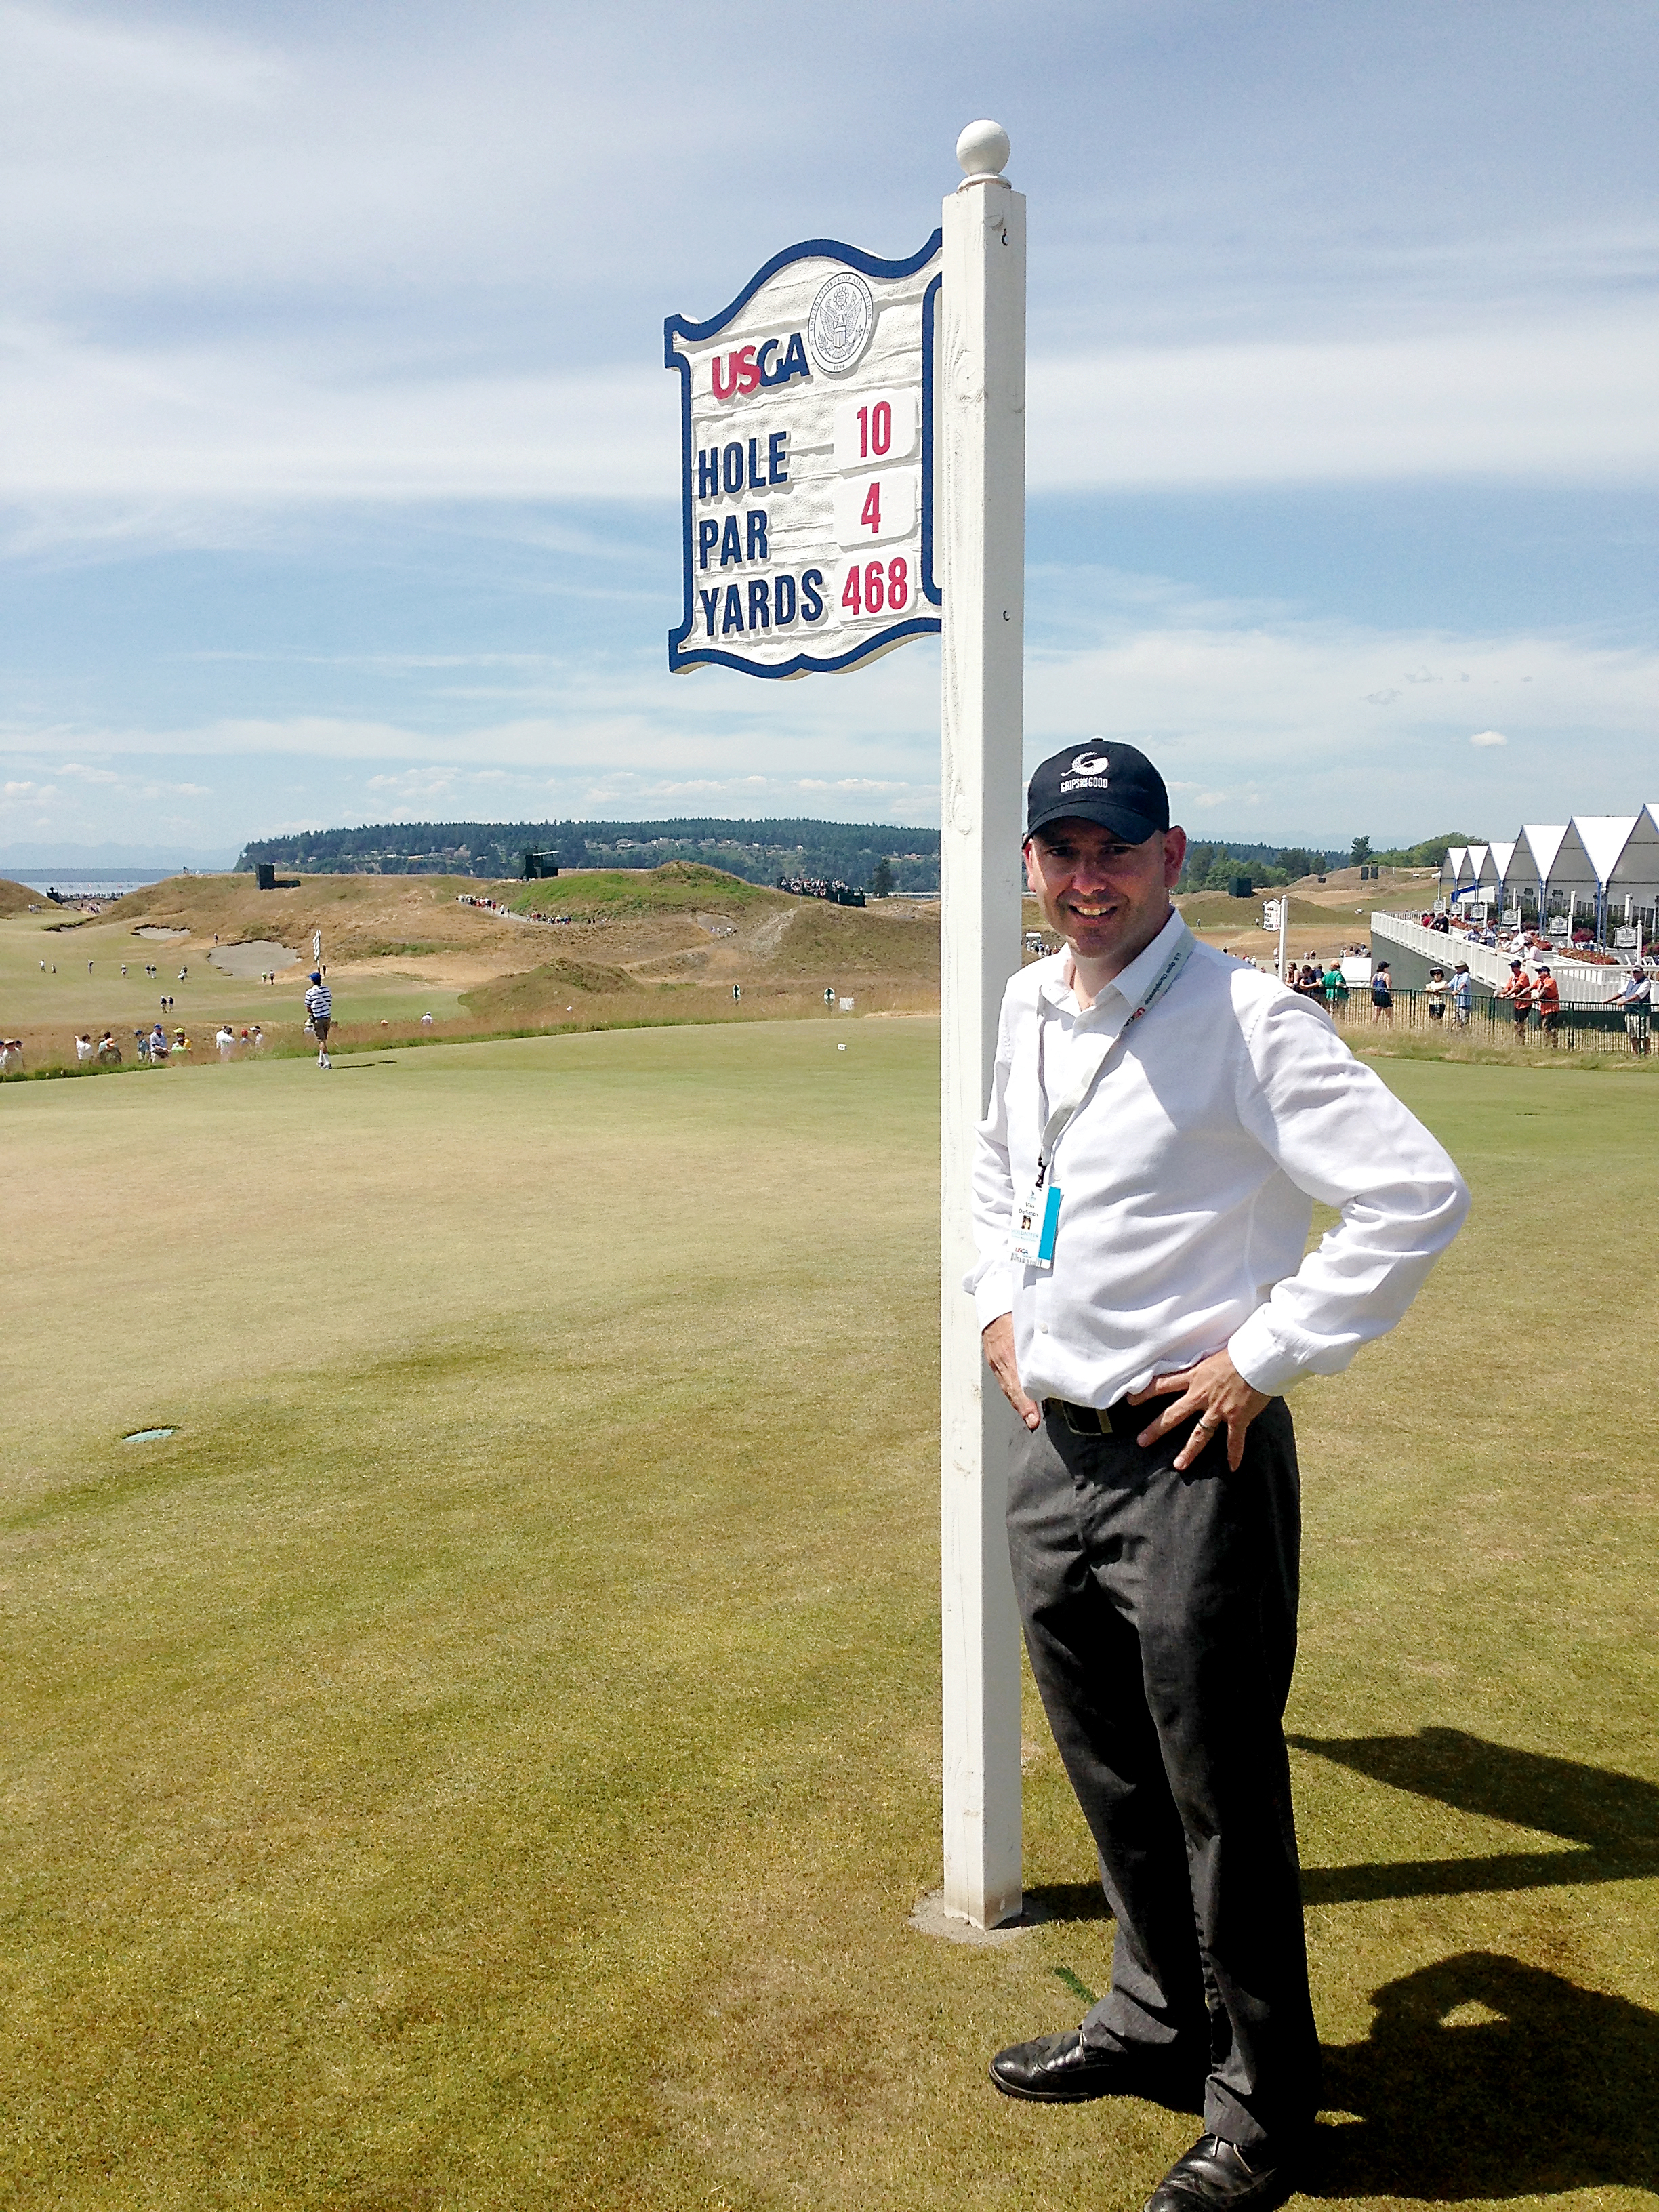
<point x="874" y="587"/>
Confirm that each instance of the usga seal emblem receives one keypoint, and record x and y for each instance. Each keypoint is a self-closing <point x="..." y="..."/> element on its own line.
<point x="841" y="322"/>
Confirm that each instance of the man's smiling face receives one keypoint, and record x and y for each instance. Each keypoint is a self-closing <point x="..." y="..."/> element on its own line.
<point x="1107" y="898"/>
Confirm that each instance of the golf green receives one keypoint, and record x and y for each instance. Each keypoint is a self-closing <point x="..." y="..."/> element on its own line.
<point x="487" y="1755"/>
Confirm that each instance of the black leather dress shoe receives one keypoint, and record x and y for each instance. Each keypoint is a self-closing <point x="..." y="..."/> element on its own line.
<point x="1063" y="2069"/>
<point x="1216" y="2176"/>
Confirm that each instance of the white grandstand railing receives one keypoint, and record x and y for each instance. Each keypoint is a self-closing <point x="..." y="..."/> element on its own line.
<point x="1580" y="982"/>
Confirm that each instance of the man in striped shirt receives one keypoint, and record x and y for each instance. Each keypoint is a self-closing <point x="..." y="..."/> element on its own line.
<point x="319" y="1012"/>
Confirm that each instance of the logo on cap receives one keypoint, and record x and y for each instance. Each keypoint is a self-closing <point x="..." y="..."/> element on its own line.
<point x="1086" y="764"/>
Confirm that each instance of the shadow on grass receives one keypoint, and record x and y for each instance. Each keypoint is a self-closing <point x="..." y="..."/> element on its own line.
<point x="1067" y="1901"/>
<point x="1614" y="1817"/>
<point x="1543" y="2087"/>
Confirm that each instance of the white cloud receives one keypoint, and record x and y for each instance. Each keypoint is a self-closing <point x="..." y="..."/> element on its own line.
<point x="1265" y="720"/>
<point x="241" y="421"/>
<point x="319" y="262"/>
<point x="1553" y="399"/>
<point x="201" y="424"/>
<point x="1486" y="738"/>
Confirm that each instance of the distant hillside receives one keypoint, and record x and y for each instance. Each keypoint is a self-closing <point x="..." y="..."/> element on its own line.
<point x="17" y="898"/>
<point x="759" y="852"/>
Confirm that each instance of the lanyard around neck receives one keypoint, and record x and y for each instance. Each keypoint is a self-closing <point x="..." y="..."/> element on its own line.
<point x="1083" y="1081"/>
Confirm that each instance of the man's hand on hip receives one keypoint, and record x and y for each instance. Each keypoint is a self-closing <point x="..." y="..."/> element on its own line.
<point x="998" y="1337"/>
<point x="1213" y="1389"/>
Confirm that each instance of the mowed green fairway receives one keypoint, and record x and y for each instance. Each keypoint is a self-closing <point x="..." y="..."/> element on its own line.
<point x="488" y="1757"/>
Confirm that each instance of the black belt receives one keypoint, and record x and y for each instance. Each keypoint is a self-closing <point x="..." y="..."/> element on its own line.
<point x="1122" y="1419"/>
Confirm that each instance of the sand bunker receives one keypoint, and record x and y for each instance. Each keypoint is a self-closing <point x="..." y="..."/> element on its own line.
<point x="247" y="962"/>
<point x="151" y="929"/>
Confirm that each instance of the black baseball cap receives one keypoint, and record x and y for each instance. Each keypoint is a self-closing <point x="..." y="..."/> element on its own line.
<point x="1113" y="784"/>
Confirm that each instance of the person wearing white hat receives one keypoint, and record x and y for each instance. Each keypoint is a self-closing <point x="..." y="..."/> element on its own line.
<point x="1637" y="1000"/>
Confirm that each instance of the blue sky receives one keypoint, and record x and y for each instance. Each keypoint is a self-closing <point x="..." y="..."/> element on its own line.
<point x="339" y="468"/>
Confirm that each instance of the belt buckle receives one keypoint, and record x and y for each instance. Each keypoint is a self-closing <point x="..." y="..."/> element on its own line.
<point x="1083" y="1420"/>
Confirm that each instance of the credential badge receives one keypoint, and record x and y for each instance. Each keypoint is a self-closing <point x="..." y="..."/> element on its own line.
<point x="841" y="322"/>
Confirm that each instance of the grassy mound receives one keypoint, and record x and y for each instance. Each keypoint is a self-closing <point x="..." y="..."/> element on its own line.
<point x="16" y="898"/>
<point x="1218" y="910"/>
<point x="677" y="887"/>
<point x="542" y="990"/>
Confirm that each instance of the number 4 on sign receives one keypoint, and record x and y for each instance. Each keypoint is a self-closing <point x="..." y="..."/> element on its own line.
<point x="870" y="516"/>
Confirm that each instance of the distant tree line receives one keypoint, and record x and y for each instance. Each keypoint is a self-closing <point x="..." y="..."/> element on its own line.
<point x="1219" y="867"/>
<point x="868" y="856"/>
<point x="1216" y="866"/>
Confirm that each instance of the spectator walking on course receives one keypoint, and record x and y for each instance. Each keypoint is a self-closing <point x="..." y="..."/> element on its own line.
<point x="319" y="1012"/>
<point x="1462" y="993"/>
<point x="225" y="1040"/>
<point x="1637" y="1000"/>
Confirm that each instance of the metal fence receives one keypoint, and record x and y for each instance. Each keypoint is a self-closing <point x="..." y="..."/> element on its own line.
<point x="1490" y="1021"/>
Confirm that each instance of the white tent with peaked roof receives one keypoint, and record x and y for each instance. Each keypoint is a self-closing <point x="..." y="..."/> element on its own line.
<point x="1604" y="837"/>
<point x="1574" y="870"/>
<point x="1635" y="873"/>
<point x="1494" y="869"/>
<point x="1533" y="860"/>
<point x="1468" y="878"/>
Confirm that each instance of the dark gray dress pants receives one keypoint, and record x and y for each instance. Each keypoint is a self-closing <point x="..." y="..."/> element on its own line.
<point x="1160" y="1617"/>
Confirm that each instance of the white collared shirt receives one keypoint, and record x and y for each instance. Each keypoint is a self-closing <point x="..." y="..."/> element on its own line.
<point x="1186" y="1179"/>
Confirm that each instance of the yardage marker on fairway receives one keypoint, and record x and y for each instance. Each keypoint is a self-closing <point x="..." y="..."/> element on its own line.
<point x="853" y="475"/>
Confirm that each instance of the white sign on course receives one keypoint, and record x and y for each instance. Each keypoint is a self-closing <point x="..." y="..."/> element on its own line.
<point x="807" y="436"/>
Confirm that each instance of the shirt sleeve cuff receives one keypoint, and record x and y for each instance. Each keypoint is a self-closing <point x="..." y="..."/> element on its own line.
<point x="1263" y="1361"/>
<point x="994" y="1296"/>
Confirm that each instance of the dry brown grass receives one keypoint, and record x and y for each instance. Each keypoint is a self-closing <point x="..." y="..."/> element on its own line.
<point x="17" y="898"/>
<point x="485" y="1761"/>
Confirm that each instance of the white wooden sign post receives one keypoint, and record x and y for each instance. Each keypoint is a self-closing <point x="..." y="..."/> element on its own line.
<point x="981" y="414"/>
<point x="853" y="463"/>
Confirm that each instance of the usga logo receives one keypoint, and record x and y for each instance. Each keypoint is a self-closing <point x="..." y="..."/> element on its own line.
<point x="753" y="367"/>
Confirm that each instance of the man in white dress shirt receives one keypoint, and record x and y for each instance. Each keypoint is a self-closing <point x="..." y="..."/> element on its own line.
<point x="1161" y="1117"/>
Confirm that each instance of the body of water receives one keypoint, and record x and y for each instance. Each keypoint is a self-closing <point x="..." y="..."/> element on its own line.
<point x="108" y="887"/>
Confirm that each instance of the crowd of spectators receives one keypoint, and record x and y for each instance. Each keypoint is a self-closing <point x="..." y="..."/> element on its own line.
<point x="512" y="914"/>
<point x="1526" y="942"/>
<point x="822" y="887"/>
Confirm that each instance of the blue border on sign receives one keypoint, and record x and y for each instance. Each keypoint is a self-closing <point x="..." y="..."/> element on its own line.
<point x="680" y="661"/>
<point x="929" y="308"/>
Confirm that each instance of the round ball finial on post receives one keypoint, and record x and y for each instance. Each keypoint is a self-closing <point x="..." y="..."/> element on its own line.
<point x="982" y="150"/>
